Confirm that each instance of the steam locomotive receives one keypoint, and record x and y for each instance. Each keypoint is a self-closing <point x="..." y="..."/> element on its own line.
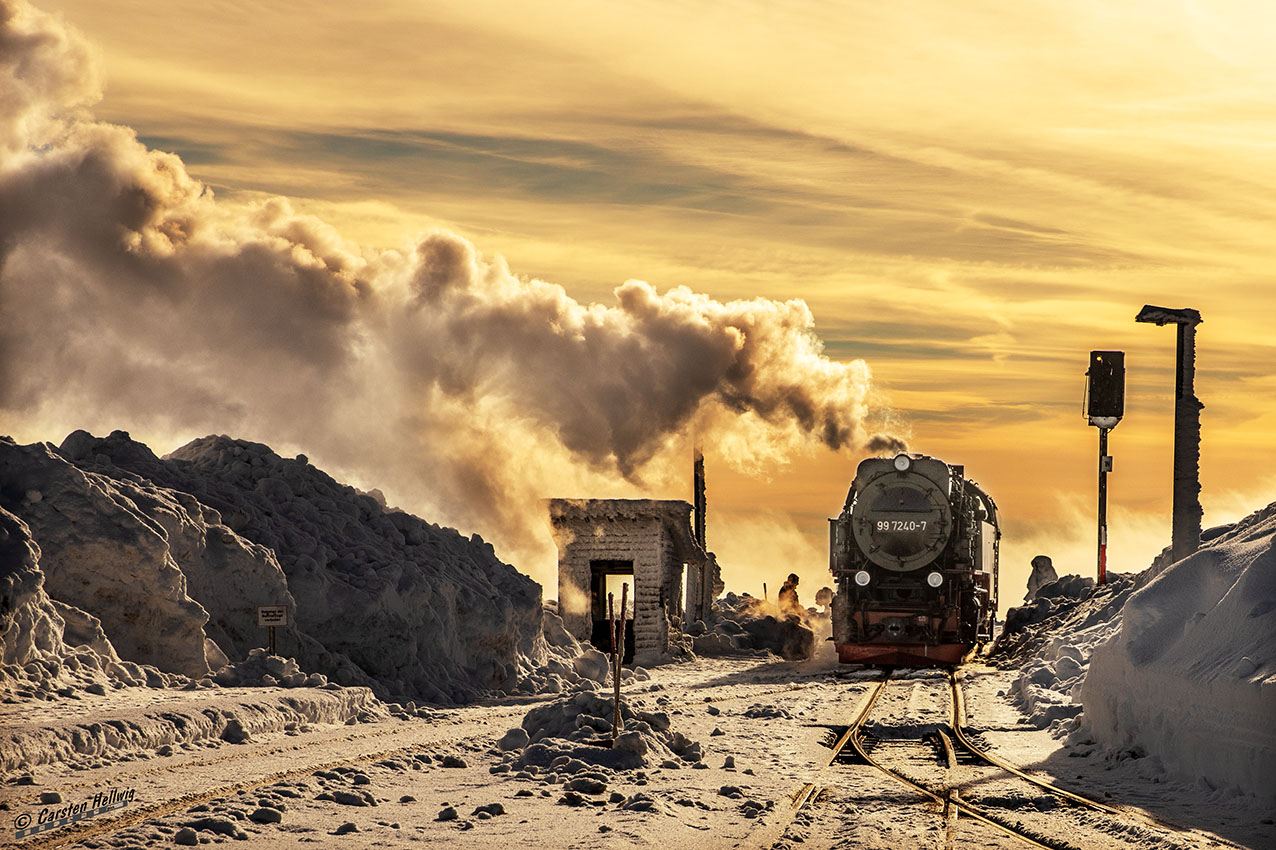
<point x="914" y="554"/>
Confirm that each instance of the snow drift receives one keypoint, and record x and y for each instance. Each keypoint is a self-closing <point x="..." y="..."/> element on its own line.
<point x="1191" y="676"/>
<point x="1176" y="664"/>
<point x="165" y="561"/>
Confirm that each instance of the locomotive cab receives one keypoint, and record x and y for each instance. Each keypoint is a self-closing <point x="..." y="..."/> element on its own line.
<point x="914" y="554"/>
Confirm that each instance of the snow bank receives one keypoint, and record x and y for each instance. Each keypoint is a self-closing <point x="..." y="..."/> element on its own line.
<point x="421" y="611"/>
<point x="148" y="571"/>
<point x="1191" y="675"/>
<point x="102" y="553"/>
<point x="50" y="649"/>
<point x="109" y="727"/>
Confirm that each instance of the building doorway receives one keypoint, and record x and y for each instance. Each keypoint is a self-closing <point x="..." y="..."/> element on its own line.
<point x="609" y="577"/>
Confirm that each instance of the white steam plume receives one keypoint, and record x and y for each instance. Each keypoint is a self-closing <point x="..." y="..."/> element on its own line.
<point x="130" y="298"/>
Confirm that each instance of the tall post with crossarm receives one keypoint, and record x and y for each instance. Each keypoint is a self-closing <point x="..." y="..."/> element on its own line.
<point x="1187" y="430"/>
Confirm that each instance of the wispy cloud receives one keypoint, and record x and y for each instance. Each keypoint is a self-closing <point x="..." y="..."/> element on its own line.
<point x="128" y="292"/>
<point x="971" y="195"/>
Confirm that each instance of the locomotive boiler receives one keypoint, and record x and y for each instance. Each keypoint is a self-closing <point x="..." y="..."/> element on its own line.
<point x="914" y="555"/>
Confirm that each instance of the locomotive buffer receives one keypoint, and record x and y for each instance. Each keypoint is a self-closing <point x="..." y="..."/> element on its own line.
<point x="1105" y="405"/>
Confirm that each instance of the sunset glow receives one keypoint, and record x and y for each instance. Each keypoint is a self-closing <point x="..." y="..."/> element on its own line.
<point x="967" y="197"/>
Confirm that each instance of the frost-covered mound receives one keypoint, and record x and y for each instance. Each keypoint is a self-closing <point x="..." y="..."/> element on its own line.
<point x="573" y="735"/>
<point x="164" y="563"/>
<point x="1050" y="640"/>
<point x="418" y="610"/>
<point x="1191" y="676"/>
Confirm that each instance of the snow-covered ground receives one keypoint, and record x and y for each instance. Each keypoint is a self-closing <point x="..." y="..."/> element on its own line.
<point x="758" y="726"/>
<point x="133" y="706"/>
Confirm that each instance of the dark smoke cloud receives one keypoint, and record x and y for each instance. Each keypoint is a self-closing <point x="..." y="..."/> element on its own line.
<point x="885" y="444"/>
<point x="129" y="297"/>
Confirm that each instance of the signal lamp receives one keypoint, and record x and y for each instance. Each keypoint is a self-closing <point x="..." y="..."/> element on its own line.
<point x="862" y="577"/>
<point x="935" y="579"/>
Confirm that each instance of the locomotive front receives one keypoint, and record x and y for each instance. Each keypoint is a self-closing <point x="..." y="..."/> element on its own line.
<point x="914" y="554"/>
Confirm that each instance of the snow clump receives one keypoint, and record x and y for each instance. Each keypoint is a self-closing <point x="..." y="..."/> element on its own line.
<point x="121" y="568"/>
<point x="574" y="732"/>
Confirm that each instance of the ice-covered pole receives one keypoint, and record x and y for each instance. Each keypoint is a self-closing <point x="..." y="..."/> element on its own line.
<point x="1186" y="523"/>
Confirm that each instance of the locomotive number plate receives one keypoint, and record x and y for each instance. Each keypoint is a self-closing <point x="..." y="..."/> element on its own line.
<point x="901" y="525"/>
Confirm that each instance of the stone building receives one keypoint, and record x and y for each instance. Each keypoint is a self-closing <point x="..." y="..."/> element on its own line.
<point x="646" y="542"/>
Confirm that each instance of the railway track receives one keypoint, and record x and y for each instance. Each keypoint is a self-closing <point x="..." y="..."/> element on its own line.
<point x="980" y="795"/>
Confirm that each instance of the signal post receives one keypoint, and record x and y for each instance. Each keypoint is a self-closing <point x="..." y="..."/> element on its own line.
<point x="1105" y="405"/>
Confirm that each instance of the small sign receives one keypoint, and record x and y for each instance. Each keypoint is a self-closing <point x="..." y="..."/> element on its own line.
<point x="272" y="615"/>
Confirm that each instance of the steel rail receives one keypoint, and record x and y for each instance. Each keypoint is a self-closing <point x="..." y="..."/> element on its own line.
<point x="768" y="834"/>
<point x="1126" y="815"/>
<point x="958" y="727"/>
<point x="950" y="808"/>
<point x="856" y="739"/>
<point x="810" y="791"/>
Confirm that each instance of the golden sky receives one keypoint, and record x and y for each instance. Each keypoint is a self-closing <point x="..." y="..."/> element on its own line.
<point x="969" y="196"/>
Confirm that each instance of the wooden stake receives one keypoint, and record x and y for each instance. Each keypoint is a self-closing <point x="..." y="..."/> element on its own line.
<point x="611" y="628"/>
<point x="618" y="657"/>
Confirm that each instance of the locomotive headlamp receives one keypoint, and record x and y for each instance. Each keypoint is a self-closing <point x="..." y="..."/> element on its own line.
<point x="862" y="577"/>
<point x="935" y="579"/>
<point x="903" y="462"/>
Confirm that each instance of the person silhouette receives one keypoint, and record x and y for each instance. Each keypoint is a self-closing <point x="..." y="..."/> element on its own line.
<point x="788" y="598"/>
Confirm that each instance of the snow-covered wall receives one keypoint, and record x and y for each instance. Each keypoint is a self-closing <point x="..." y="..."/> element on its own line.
<point x="652" y="536"/>
<point x="1191" y="676"/>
